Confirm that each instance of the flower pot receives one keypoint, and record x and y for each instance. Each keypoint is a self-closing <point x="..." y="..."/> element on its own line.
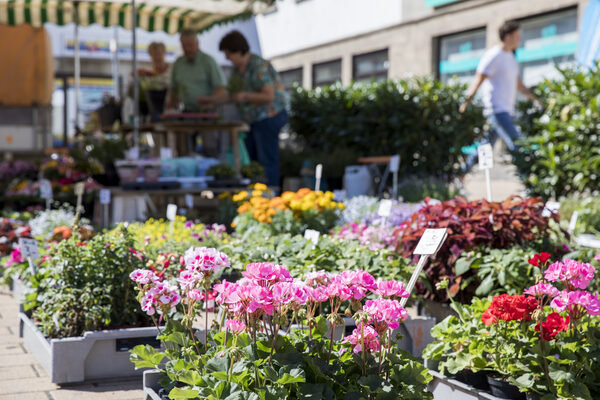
<point x="156" y="102"/>
<point x="437" y="310"/>
<point x="504" y="390"/>
<point x="445" y="388"/>
<point x="95" y="355"/>
<point x="416" y="334"/>
<point x="476" y="379"/>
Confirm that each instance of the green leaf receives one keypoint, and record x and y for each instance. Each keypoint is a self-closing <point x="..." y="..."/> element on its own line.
<point x="486" y="286"/>
<point x="462" y="265"/>
<point x="146" y="356"/>
<point x="178" y="393"/>
<point x="287" y="379"/>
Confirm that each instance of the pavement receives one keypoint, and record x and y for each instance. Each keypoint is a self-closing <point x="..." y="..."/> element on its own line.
<point x="23" y="378"/>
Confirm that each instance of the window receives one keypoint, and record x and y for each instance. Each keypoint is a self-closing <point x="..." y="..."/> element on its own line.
<point x="370" y="66"/>
<point x="547" y="41"/>
<point x="327" y="73"/>
<point x="459" y="55"/>
<point x="291" y="77"/>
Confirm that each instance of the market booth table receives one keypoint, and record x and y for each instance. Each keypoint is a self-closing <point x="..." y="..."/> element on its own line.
<point x="175" y="133"/>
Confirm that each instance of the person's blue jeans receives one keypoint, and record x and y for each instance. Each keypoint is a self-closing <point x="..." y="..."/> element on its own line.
<point x="262" y="142"/>
<point x="501" y="126"/>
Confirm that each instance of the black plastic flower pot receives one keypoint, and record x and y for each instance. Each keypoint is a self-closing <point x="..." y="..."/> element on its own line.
<point x="504" y="390"/>
<point x="476" y="379"/>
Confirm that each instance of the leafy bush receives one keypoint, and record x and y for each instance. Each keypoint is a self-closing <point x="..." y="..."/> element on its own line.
<point x="82" y="286"/>
<point x="560" y="154"/>
<point x="494" y="225"/>
<point x="588" y="214"/>
<point x="417" y="118"/>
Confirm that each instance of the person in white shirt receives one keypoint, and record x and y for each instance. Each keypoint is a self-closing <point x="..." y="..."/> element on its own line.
<point x="498" y="76"/>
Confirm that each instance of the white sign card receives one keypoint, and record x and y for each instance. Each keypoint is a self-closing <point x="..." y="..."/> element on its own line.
<point x="550" y="208"/>
<point x="166" y="153"/>
<point x="189" y="201"/>
<point x="431" y="241"/>
<point x="45" y="189"/>
<point x="134" y="153"/>
<point x="79" y="189"/>
<point x="486" y="156"/>
<point x="385" y="208"/>
<point x="319" y="171"/>
<point x="104" y="196"/>
<point x="394" y="163"/>
<point x="312" y="235"/>
<point x="573" y="221"/>
<point x="171" y="212"/>
<point x="29" y="248"/>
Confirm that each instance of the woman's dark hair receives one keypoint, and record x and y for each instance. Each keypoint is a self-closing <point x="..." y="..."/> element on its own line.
<point x="234" y="42"/>
<point x="507" y="28"/>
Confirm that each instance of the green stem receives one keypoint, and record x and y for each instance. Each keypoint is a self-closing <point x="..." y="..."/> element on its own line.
<point x="362" y="344"/>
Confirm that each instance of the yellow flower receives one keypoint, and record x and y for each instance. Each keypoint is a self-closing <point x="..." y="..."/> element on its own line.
<point x="260" y="186"/>
<point x="257" y="193"/>
<point x="240" y="196"/>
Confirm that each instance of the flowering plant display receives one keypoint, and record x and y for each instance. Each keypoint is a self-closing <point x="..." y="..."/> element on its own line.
<point x="374" y="237"/>
<point x="292" y="212"/>
<point x="544" y="341"/>
<point x="50" y="223"/>
<point x="21" y="169"/>
<point x="471" y="225"/>
<point x="272" y="342"/>
<point x="81" y="286"/>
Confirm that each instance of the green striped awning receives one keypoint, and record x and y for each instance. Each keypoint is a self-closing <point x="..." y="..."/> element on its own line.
<point x="152" y="15"/>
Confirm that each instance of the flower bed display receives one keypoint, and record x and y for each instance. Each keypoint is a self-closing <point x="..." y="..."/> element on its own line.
<point x="256" y="354"/>
<point x="289" y="213"/>
<point x="470" y="225"/>
<point x="544" y="341"/>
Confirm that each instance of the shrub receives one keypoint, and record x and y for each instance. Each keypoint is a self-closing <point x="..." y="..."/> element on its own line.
<point x="560" y="154"/>
<point x="417" y="118"/>
<point x="470" y="225"/>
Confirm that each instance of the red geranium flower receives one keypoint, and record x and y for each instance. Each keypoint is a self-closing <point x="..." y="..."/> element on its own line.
<point x="539" y="259"/>
<point x="512" y="308"/>
<point x="552" y="325"/>
<point x="488" y="318"/>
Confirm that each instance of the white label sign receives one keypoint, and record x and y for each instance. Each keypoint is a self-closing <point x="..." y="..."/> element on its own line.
<point x="79" y="189"/>
<point x="431" y="241"/>
<point x="486" y="156"/>
<point x="319" y="171"/>
<point x="573" y="221"/>
<point x="45" y="189"/>
<point x="311" y="234"/>
<point x="166" y="153"/>
<point x="189" y="201"/>
<point x="104" y="196"/>
<point x="171" y="212"/>
<point x="550" y="208"/>
<point x="134" y="153"/>
<point x="394" y="163"/>
<point x="29" y="248"/>
<point x="385" y="208"/>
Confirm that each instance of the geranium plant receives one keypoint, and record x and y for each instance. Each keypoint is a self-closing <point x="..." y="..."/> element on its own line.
<point x="272" y="344"/>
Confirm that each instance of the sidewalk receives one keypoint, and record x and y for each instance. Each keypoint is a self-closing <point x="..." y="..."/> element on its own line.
<point x="22" y="378"/>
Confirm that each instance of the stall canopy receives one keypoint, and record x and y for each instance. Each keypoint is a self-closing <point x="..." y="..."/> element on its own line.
<point x="152" y="15"/>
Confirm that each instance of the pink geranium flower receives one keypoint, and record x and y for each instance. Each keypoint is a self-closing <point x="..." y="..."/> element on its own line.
<point x="371" y="340"/>
<point x="569" y="300"/>
<point x="205" y="259"/>
<point x="542" y="289"/>
<point x="571" y="272"/>
<point x="385" y="313"/>
<point x="266" y="274"/>
<point x="235" y="326"/>
<point x="15" y="257"/>
<point x="143" y="276"/>
<point x="391" y="289"/>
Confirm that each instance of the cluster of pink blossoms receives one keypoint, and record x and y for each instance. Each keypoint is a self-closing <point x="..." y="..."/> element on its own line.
<point x="160" y="296"/>
<point x="571" y="273"/>
<point x="368" y="336"/>
<point x="16" y="257"/>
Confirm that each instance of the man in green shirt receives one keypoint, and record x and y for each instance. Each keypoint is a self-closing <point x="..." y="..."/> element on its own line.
<point x="194" y="74"/>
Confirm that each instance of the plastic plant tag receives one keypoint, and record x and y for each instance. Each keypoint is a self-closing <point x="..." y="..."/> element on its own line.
<point x="312" y="235"/>
<point x="166" y="153"/>
<point x="573" y="221"/>
<point x="318" y="174"/>
<point x="394" y="163"/>
<point x="45" y="189"/>
<point x="431" y="241"/>
<point x="550" y="208"/>
<point x="79" y="189"/>
<point x="134" y="153"/>
<point x="189" y="201"/>
<point x="29" y="248"/>
<point x="104" y="196"/>
<point x="385" y="208"/>
<point x="486" y="156"/>
<point x="171" y="212"/>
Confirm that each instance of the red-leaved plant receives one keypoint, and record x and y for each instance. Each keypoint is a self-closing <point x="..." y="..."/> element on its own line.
<point x="471" y="224"/>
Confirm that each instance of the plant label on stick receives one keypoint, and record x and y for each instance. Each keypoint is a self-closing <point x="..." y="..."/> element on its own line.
<point x="104" y="196"/>
<point x="486" y="156"/>
<point x="134" y="153"/>
<point x="394" y="163"/>
<point x="550" y="208"/>
<point x="45" y="189"/>
<point x="573" y="221"/>
<point x="189" y="201"/>
<point x="428" y="245"/>
<point x="166" y="153"/>
<point x="312" y="235"/>
<point x="79" y="188"/>
<point x="29" y="248"/>
<point x="171" y="212"/>
<point x="385" y="208"/>
<point x="318" y="175"/>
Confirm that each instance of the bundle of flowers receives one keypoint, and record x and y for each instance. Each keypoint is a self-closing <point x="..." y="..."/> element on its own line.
<point x="364" y="210"/>
<point x="472" y="225"/>
<point x="21" y="169"/>
<point x="374" y="237"/>
<point x="543" y="341"/>
<point x="255" y="350"/>
<point x="54" y="223"/>
<point x="10" y="232"/>
<point x="291" y="212"/>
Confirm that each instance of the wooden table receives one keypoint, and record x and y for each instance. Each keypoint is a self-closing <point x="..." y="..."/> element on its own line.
<point x="174" y="134"/>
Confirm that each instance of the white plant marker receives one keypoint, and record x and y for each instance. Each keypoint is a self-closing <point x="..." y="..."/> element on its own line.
<point x="394" y="168"/>
<point x="312" y="235"/>
<point x="171" y="214"/>
<point x="30" y="250"/>
<point x="428" y="245"/>
<point x="384" y="210"/>
<point x="104" y="201"/>
<point x="46" y="192"/>
<point x="486" y="162"/>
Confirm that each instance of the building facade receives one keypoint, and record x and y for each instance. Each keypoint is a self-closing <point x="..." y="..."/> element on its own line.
<point x="317" y="42"/>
